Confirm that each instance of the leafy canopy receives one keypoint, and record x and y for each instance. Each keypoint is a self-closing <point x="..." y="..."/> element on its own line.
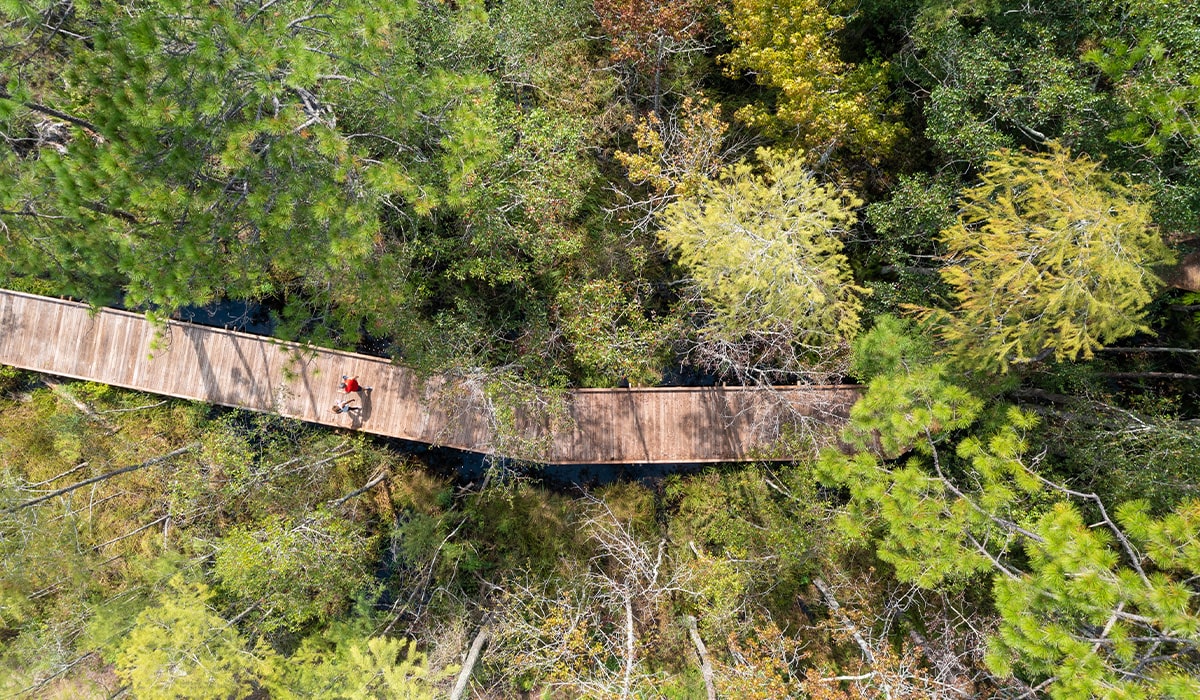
<point x="1155" y="69"/>
<point x="1050" y="254"/>
<point x="790" y="46"/>
<point x="302" y="570"/>
<point x="765" y="252"/>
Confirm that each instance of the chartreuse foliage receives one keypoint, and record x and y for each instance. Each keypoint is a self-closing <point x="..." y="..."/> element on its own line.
<point x="918" y="521"/>
<point x="892" y="347"/>
<point x="1108" y="610"/>
<point x="790" y="46"/>
<point x="751" y="541"/>
<point x="765" y="252"/>
<point x="180" y="648"/>
<point x="1050" y="255"/>
<point x="910" y="404"/>
<point x="911" y="399"/>
<point x="300" y="570"/>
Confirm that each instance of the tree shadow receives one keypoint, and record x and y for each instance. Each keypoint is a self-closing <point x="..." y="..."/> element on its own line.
<point x="208" y="378"/>
<point x="364" y="398"/>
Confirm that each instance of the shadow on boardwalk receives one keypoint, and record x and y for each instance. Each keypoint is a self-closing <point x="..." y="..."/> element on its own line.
<point x="604" y="426"/>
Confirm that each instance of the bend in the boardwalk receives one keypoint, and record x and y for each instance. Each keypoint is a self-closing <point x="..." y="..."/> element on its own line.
<point x="702" y="424"/>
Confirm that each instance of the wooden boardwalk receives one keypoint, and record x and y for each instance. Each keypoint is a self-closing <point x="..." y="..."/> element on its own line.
<point x="707" y="424"/>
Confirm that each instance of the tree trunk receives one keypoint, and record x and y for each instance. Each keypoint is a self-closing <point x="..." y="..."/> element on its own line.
<point x="629" y="639"/>
<point x="83" y="407"/>
<point x="460" y="685"/>
<point x="102" y="477"/>
<point x="1149" y="375"/>
<point x="868" y="655"/>
<point x="1188" y="351"/>
<point x="706" y="669"/>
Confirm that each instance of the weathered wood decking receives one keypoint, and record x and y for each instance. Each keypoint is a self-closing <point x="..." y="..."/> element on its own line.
<point x="710" y="424"/>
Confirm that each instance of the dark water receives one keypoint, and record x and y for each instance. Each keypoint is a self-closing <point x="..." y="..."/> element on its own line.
<point x="244" y="316"/>
<point x="686" y="375"/>
<point x="462" y="465"/>
<point x="472" y="467"/>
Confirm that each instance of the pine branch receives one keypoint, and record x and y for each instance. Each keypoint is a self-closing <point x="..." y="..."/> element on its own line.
<point x="51" y="112"/>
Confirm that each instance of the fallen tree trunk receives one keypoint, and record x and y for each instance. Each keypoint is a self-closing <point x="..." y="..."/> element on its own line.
<point x="706" y="669"/>
<point x="464" y="676"/>
<point x="116" y="472"/>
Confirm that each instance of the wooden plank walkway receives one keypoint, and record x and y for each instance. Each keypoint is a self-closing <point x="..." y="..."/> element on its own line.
<point x="706" y="424"/>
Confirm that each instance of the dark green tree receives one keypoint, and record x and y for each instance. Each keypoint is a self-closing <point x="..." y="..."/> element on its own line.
<point x="993" y="77"/>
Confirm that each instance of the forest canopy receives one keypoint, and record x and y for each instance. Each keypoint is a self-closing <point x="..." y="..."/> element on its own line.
<point x="985" y="214"/>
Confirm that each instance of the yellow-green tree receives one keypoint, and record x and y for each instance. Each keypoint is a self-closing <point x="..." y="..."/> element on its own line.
<point x="791" y="45"/>
<point x="301" y="570"/>
<point x="181" y="648"/>
<point x="1050" y="255"/>
<point x="764" y="250"/>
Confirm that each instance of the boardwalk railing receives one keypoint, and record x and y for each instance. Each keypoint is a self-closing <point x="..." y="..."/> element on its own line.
<point x="705" y="424"/>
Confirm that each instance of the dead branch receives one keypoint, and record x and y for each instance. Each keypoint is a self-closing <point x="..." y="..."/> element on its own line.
<point x="868" y="656"/>
<point x="68" y="472"/>
<point x="706" y="669"/>
<point x="460" y="685"/>
<point x="83" y="407"/>
<point x="135" y="408"/>
<point x="1189" y="351"/>
<point x="116" y="472"/>
<point x="366" y="487"/>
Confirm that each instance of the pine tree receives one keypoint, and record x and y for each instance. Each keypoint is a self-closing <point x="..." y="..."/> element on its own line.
<point x="346" y="661"/>
<point x="219" y="150"/>
<point x="1051" y="255"/>
<point x="1087" y="622"/>
<point x="1102" y="607"/>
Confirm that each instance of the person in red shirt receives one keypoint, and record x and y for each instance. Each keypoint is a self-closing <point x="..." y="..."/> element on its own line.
<point x="350" y="385"/>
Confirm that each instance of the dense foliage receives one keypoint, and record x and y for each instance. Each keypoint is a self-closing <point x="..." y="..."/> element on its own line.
<point x="973" y="208"/>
